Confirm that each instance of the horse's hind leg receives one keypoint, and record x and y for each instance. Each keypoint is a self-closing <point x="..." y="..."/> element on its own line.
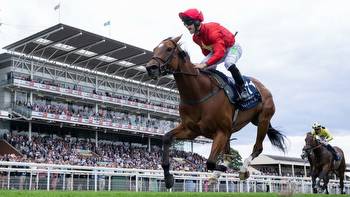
<point x="178" y="133"/>
<point x="313" y="180"/>
<point x="341" y="182"/>
<point x="325" y="184"/>
<point x="262" y="122"/>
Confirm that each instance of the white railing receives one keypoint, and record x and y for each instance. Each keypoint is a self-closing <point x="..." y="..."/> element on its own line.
<point x="33" y="176"/>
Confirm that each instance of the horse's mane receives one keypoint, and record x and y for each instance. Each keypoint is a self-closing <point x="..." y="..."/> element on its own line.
<point x="308" y="134"/>
<point x="184" y="55"/>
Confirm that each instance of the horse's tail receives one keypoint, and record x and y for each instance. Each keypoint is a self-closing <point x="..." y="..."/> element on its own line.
<point x="277" y="138"/>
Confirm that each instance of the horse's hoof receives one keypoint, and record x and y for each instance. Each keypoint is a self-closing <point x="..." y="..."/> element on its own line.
<point x="169" y="181"/>
<point x="221" y="168"/>
<point x="212" y="181"/>
<point x="244" y="175"/>
<point x="320" y="191"/>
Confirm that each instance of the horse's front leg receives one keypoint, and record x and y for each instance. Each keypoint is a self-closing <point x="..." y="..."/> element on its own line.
<point x="219" y="143"/>
<point x="325" y="177"/>
<point x="227" y="157"/>
<point x="262" y="129"/>
<point x="313" y="181"/>
<point x="180" y="133"/>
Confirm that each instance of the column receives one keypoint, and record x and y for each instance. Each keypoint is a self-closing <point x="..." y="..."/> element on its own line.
<point x="191" y="146"/>
<point x="279" y="169"/>
<point x="30" y="130"/>
<point x="149" y="144"/>
<point x="31" y="98"/>
<point x="96" y="138"/>
<point x="96" y="83"/>
<point x="15" y="97"/>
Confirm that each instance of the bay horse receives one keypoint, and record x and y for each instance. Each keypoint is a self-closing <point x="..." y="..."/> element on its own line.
<point x="206" y="111"/>
<point x="322" y="164"/>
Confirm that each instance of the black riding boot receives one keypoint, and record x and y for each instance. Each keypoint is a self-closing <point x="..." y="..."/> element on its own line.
<point x="243" y="93"/>
<point x="334" y="153"/>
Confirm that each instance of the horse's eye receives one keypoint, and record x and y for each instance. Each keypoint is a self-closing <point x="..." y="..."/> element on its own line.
<point x="169" y="49"/>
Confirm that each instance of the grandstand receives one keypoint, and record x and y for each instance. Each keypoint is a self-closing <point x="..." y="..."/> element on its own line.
<point x="78" y="112"/>
<point x="283" y="166"/>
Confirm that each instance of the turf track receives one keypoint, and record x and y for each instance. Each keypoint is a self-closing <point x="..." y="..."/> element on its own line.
<point x="6" y="193"/>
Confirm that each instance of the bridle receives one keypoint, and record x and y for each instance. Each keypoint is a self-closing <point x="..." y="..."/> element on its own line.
<point x="163" y="64"/>
<point x="163" y="69"/>
<point x="308" y="148"/>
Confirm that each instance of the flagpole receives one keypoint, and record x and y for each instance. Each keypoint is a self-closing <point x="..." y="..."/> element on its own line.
<point x="109" y="28"/>
<point x="59" y="12"/>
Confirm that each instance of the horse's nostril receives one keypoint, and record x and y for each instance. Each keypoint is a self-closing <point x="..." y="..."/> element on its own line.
<point x="151" y="67"/>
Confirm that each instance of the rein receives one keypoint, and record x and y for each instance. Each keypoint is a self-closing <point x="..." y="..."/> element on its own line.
<point x="163" y="64"/>
<point x="313" y="147"/>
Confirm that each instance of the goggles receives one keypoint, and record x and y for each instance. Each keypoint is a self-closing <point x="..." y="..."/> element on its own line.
<point x="188" y="22"/>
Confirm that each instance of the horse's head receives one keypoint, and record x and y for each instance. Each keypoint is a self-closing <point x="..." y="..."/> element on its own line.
<point x="310" y="143"/>
<point x="165" y="59"/>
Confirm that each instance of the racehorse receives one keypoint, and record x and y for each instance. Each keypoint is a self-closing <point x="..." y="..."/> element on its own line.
<point x="205" y="110"/>
<point x="322" y="164"/>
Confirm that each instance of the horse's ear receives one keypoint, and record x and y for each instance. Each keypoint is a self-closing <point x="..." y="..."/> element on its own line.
<point x="176" y="39"/>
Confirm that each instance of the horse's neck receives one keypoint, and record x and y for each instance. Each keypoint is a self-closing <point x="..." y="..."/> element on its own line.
<point x="192" y="87"/>
<point x="319" y="152"/>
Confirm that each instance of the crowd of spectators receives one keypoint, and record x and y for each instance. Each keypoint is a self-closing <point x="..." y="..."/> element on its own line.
<point x="101" y="93"/>
<point x="83" y="152"/>
<point x="88" y="111"/>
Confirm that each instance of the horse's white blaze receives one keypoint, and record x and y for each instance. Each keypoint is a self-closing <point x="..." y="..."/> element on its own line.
<point x="160" y="45"/>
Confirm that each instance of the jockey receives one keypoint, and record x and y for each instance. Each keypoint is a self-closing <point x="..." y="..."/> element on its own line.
<point x="324" y="137"/>
<point x="217" y="44"/>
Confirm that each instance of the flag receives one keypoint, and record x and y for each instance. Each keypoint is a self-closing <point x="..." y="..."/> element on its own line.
<point x="107" y="23"/>
<point x="57" y="7"/>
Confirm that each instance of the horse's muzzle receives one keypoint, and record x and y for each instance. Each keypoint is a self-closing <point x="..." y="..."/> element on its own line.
<point x="153" y="71"/>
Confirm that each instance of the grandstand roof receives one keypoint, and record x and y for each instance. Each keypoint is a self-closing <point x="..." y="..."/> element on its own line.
<point x="275" y="159"/>
<point x="76" y="47"/>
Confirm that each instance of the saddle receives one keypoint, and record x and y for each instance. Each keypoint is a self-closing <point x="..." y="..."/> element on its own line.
<point x="230" y="88"/>
<point x="335" y="164"/>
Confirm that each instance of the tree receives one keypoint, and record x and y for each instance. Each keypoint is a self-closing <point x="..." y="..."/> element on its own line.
<point x="235" y="159"/>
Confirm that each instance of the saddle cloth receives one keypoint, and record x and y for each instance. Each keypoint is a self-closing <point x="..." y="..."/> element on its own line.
<point x="230" y="88"/>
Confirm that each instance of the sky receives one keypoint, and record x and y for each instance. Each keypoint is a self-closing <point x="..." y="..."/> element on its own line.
<point x="298" y="49"/>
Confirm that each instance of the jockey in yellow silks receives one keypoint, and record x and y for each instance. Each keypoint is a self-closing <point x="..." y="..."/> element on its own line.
<point x="324" y="136"/>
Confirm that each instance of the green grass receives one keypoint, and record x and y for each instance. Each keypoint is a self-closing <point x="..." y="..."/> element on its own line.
<point x="5" y="193"/>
